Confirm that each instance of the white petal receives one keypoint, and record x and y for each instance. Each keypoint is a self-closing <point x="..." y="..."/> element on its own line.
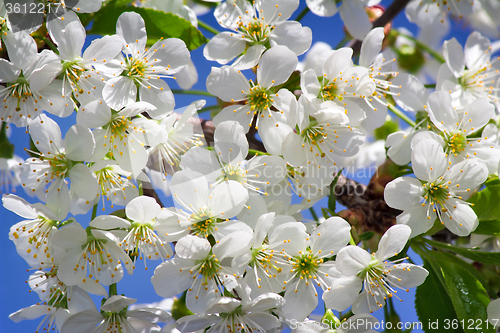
<point x="194" y="323"/>
<point x="466" y="175"/>
<point x="393" y="241"/>
<point x="79" y="143"/>
<point x="108" y="222"/>
<point x="476" y="115"/>
<point x="322" y="7"/>
<point x="160" y="96"/>
<point x="104" y="48"/>
<point x="201" y="295"/>
<point x="227" y="84"/>
<point x="494" y="312"/>
<point x="310" y="85"/>
<point x="190" y="188"/>
<point x="292" y="151"/>
<point x="224" y="47"/>
<point x="230" y="142"/>
<point x="355" y="18"/>
<point x="93" y="114"/>
<point x="477" y="51"/>
<point x="116" y="303"/>
<point x="371" y="46"/>
<point x="227" y="199"/>
<point x="250" y="58"/>
<point x="71" y="41"/>
<point x="131" y="29"/>
<point x="83" y="181"/>
<point x="351" y="260"/>
<point x="276" y="66"/>
<point x="300" y="300"/>
<point x="21" y="48"/>
<point x="441" y="110"/>
<point x="413" y="93"/>
<point x="330" y="236"/>
<point x="31" y="312"/>
<point x="407" y="276"/>
<point x="19" y="206"/>
<point x="46" y="135"/>
<point x="82" y="322"/>
<point x="428" y="160"/>
<point x="416" y="218"/>
<point x="142" y="209"/>
<point x="8" y="72"/>
<point x="292" y="35"/>
<point x="403" y="192"/>
<point x="342" y="293"/>
<point x="170" y="53"/>
<point x="172" y="277"/>
<point x="131" y="157"/>
<point x="192" y="247"/>
<point x="338" y="62"/>
<point x="454" y="56"/>
<point x="232" y="245"/>
<point x="119" y="92"/>
<point x="461" y="220"/>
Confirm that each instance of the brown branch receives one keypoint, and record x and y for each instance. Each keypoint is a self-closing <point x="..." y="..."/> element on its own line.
<point x="389" y="14"/>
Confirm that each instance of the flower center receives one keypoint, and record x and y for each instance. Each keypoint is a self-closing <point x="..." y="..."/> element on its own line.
<point x="135" y="68"/>
<point x="314" y="135"/>
<point x="436" y="192"/>
<point x="73" y="71"/>
<point x="232" y="172"/>
<point x="209" y="267"/>
<point x="306" y="265"/>
<point x="59" y="165"/>
<point x="330" y="91"/>
<point x="19" y="90"/>
<point x="256" y="31"/>
<point x="456" y="143"/>
<point x="119" y="126"/>
<point x="260" y="99"/>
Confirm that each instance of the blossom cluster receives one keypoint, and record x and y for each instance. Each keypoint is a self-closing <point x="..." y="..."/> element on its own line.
<point x="234" y="242"/>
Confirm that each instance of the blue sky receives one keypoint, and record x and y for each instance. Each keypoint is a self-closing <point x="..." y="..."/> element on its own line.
<point x="15" y="291"/>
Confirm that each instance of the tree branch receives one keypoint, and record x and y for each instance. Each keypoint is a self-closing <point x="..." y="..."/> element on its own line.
<point x="389" y="14"/>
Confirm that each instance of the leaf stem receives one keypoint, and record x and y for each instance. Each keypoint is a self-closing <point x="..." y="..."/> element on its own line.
<point x="113" y="290"/>
<point x="342" y="42"/>
<point x="314" y="215"/>
<point x="433" y="85"/>
<point x="302" y="14"/>
<point x="192" y="92"/>
<point x="208" y="27"/>
<point x="50" y="44"/>
<point x="94" y="212"/>
<point x="424" y="47"/>
<point x="208" y="108"/>
<point x="139" y="184"/>
<point x="401" y="115"/>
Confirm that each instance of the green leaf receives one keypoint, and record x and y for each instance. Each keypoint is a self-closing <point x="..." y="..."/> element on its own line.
<point x="366" y="236"/>
<point x="468" y="296"/>
<point x="433" y="304"/>
<point x="158" y="24"/>
<point x="488" y="228"/>
<point x="492" y="258"/>
<point x="331" y="198"/>
<point x="486" y="203"/>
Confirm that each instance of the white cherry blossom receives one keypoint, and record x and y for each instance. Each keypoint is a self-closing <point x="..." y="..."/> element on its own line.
<point x="378" y="277"/>
<point x="201" y="269"/>
<point x="143" y="69"/>
<point x="259" y="27"/>
<point x="116" y="318"/>
<point x="259" y="97"/>
<point x="438" y="191"/>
